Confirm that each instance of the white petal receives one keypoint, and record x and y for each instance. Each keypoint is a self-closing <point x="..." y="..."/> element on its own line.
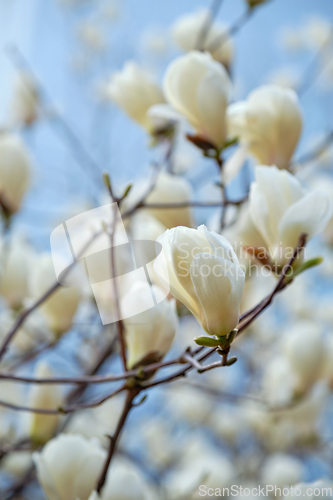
<point x="309" y="215"/>
<point x="212" y="100"/>
<point x="219" y="286"/>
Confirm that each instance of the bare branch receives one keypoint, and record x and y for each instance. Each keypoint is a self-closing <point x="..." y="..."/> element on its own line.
<point x="64" y="410"/>
<point x="214" y="10"/>
<point x="315" y="68"/>
<point x="21" y="319"/>
<point x="131" y="393"/>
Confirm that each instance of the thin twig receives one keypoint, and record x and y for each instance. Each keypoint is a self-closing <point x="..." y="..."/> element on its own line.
<point x="241" y="327"/>
<point x="314" y="153"/>
<point x="314" y="69"/>
<point x="248" y="317"/>
<point x="64" y="410"/>
<point x="73" y="140"/>
<point x="131" y="393"/>
<point x="88" y="380"/>
<point x="120" y="325"/>
<point x="185" y="204"/>
<point x="24" y="315"/>
<point x="238" y="24"/>
<point x="253" y="313"/>
<point x="73" y="395"/>
<point x="213" y="11"/>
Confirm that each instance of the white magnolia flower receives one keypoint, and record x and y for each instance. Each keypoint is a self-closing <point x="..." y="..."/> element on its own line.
<point x="168" y="189"/>
<point x="17" y="464"/>
<point x="135" y="91"/>
<point x="305" y="349"/>
<point x="282" y="470"/>
<point x="150" y="333"/>
<point x="59" y="309"/>
<point x="145" y="226"/>
<point x="318" y="32"/>
<point x="47" y="397"/>
<point x="268" y="124"/>
<point x="123" y="483"/>
<point x="171" y="189"/>
<point x="69" y="466"/>
<point x="198" y="88"/>
<point x="30" y="335"/>
<point x="324" y="182"/>
<point x="25" y="101"/>
<point x="281" y="210"/>
<point x="15" y="171"/>
<point x="204" y="274"/>
<point x="279" y="382"/>
<point x="187" y="30"/>
<point x="17" y="260"/>
<point x="92" y="37"/>
<point x="201" y="473"/>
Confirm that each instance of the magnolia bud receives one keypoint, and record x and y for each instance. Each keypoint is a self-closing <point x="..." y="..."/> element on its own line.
<point x="279" y="382"/>
<point x="281" y="210"/>
<point x="198" y="88"/>
<point x="69" y="466"/>
<point x="204" y="274"/>
<point x="168" y="189"/>
<point x="187" y="30"/>
<point x="14" y="172"/>
<point x="18" y="260"/>
<point x="215" y="471"/>
<point x="269" y="123"/>
<point x="123" y="483"/>
<point x="25" y="101"/>
<point x="47" y="397"/>
<point x="171" y="189"/>
<point x="17" y="464"/>
<point x="60" y="308"/>
<point x="282" y="470"/>
<point x="91" y="36"/>
<point x="305" y="350"/>
<point x="135" y="91"/>
<point x="149" y="334"/>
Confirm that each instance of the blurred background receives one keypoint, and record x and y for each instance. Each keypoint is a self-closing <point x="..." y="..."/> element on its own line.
<point x="74" y="46"/>
<point x="245" y="425"/>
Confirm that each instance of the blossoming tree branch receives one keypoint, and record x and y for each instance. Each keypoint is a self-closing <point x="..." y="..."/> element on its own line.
<point x="142" y="288"/>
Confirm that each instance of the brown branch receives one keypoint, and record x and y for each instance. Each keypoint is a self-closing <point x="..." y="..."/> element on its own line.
<point x="88" y="380"/>
<point x="10" y="335"/>
<point x="186" y="204"/>
<point x="65" y="410"/>
<point x="141" y="202"/>
<point x="131" y="393"/>
<point x="241" y="327"/>
<point x="73" y="395"/>
<point x="253" y="313"/>
<point x="192" y="363"/>
<point x="13" y="493"/>
<point x="119" y="323"/>
<point x="59" y="122"/>
<point x="218" y="393"/>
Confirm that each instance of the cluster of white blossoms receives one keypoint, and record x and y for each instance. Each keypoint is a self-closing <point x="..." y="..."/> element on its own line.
<point x="81" y="349"/>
